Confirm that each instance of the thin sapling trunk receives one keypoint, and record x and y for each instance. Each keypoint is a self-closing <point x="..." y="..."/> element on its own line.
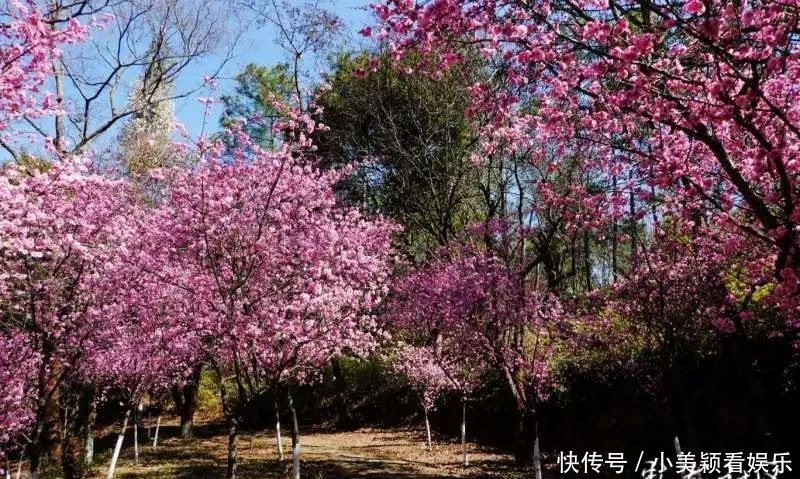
<point x="278" y="429"/>
<point x="19" y="465"/>
<point x="88" y="440"/>
<point x="428" y="429"/>
<point x="155" y="435"/>
<point x="149" y="422"/>
<point x="537" y="455"/>
<point x="136" y="418"/>
<point x="118" y="447"/>
<point x="295" y="438"/>
<point x="227" y="409"/>
<point x="464" y="429"/>
<point x="233" y="436"/>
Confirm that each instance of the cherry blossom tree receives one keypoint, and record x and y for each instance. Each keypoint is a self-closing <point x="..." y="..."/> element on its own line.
<point x="18" y="363"/>
<point x="474" y="312"/>
<point x="151" y="341"/>
<point x="696" y="100"/>
<point x="426" y="376"/>
<point x="76" y="298"/>
<point x="60" y="232"/>
<point x="685" y="296"/>
<point x="28" y="48"/>
<point x="285" y="277"/>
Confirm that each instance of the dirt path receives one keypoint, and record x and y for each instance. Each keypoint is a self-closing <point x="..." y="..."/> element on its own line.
<point x="364" y="453"/>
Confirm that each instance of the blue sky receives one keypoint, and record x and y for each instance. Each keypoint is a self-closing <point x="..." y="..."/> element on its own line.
<point x="258" y="46"/>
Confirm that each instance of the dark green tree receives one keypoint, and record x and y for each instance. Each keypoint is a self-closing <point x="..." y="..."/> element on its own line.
<point x="409" y="141"/>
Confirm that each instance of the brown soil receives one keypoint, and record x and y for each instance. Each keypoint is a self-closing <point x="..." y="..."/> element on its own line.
<point x="373" y="453"/>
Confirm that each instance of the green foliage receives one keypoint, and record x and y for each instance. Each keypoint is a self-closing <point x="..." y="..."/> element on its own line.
<point x="349" y="392"/>
<point x="410" y="140"/>
<point x="208" y="402"/>
<point x="256" y="88"/>
<point x="406" y="135"/>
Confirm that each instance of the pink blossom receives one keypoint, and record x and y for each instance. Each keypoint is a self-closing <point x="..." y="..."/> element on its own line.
<point x="694" y="7"/>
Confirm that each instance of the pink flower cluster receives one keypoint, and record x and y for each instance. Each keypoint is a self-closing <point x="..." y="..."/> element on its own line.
<point x="246" y="261"/>
<point x="426" y="372"/>
<point x="282" y="278"/>
<point x="685" y="107"/>
<point x="472" y="313"/>
<point x="28" y="48"/>
<point x="64" y="298"/>
<point x="18" y="365"/>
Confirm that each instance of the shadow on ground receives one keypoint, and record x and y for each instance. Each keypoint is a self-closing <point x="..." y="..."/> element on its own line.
<point x="375" y="454"/>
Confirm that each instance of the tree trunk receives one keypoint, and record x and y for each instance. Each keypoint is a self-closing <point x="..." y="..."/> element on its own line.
<point x="77" y="415"/>
<point x="118" y="447"/>
<point x="47" y="434"/>
<point x="135" y="442"/>
<point x="155" y="435"/>
<point x="587" y="261"/>
<point x="428" y="429"/>
<point x="677" y="407"/>
<point x="527" y="450"/>
<point x="187" y="419"/>
<point x="677" y="444"/>
<point x="614" y="248"/>
<point x="186" y="401"/>
<point x="88" y="431"/>
<point x="228" y="410"/>
<point x="148" y="421"/>
<point x="537" y="455"/>
<point x="233" y="436"/>
<point x="136" y="419"/>
<point x="295" y="438"/>
<point x="19" y="466"/>
<point x="344" y="418"/>
<point x="464" y="430"/>
<point x="278" y="428"/>
<point x="72" y="462"/>
<point x="550" y="268"/>
<point x="36" y="447"/>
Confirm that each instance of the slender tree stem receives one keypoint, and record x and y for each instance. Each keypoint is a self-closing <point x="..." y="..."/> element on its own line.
<point x="295" y="437"/>
<point x="278" y="429"/>
<point x="464" y="429"/>
<point x="118" y="447"/>
<point x="155" y="435"/>
<point x="428" y="430"/>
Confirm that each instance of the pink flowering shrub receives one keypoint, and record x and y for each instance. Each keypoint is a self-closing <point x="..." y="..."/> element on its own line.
<point x="475" y="312"/>
<point x="425" y="373"/>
